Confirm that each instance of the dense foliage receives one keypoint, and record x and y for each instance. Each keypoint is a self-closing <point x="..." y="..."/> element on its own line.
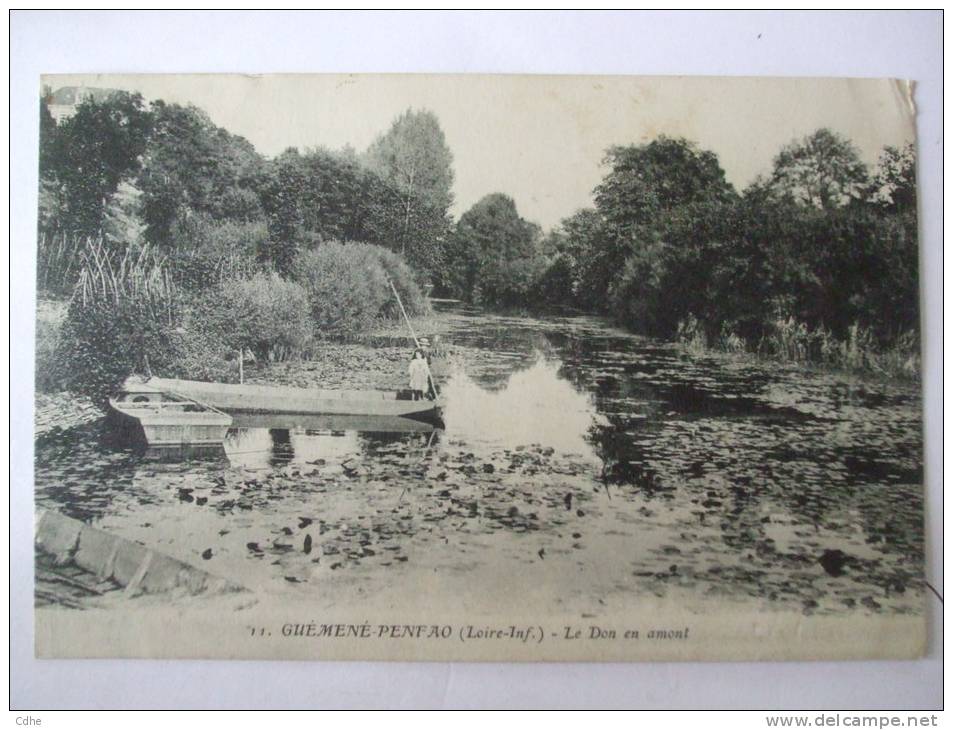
<point x="816" y="260"/>
<point x="83" y="160"/>
<point x="348" y="285"/>
<point x="822" y="247"/>
<point x="124" y="317"/>
<point x="494" y="257"/>
<point x="178" y="243"/>
<point x="263" y="314"/>
<point x="168" y="176"/>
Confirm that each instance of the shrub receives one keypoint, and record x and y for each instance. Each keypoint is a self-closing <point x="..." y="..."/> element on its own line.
<point x="49" y="322"/>
<point x="123" y="318"/>
<point x="691" y="334"/>
<point x="404" y="280"/>
<point x="128" y="316"/>
<point x="206" y="253"/>
<point x="201" y="353"/>
<point x="265" y="314"/>
<point x="348" y="287"/>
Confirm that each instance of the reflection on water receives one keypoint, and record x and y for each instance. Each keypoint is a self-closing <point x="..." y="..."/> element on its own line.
<point x="572" y="452"/>
<point x="261" y="448"/>
<point x="533" y="405"/>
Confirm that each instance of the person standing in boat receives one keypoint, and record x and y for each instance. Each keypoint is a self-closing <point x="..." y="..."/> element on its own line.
<point x="419" y="374"/>
<point x="424" y="344"/>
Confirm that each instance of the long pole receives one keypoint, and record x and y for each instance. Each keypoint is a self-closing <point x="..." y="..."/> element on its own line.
<point x="403" y="312"/>
<point x="413" y="335"/>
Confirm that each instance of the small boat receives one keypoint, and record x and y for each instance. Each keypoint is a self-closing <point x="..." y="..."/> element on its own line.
<point x="308" y="422"/>
<point x="167" y="419"/>
<point x="246" y="398"/>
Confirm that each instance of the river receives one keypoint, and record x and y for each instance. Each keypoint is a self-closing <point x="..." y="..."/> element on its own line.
<point x="581" y="467"/>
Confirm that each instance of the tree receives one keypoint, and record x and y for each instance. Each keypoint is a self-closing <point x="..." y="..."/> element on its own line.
<point x="578" y="255"/>
<point x="320" y="195"/>
<point x="895" y="182"/>
<point x="667" y="275"/>
<point x="496" y="259"/>
<point x="593" y="255"/>
<point x="413" y="157"/>
<point x="326" y="194"/>
<point x="48" y="135"/>
<point x="831" y="269"/>
<point x="192" y="166"/>
<point x="282" y="185"/>
<point x="823" y="170"/>
<point x="632" y="231"/>
<point x="767" y="268"/>
<point x="90" y="153"/>
<point x="646" y="180"/>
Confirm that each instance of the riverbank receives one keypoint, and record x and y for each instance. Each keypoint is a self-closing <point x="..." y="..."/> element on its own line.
<point x="55" y="409"/>
<point x="792" y="343"/>
<point x="428" y="325"/>
<point x="372" y="360"/>
<point x="377" y="359"/>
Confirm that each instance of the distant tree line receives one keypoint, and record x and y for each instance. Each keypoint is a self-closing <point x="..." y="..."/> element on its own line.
<point x="816" y="261"/>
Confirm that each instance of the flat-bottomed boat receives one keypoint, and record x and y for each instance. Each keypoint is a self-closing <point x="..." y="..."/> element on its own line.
<point x="248" y="398"/>
<point x="169" y="419"/>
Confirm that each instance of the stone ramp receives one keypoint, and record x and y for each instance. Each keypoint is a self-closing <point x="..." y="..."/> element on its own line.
<point x="69" y="586"/>
<point x="77" y="563"/>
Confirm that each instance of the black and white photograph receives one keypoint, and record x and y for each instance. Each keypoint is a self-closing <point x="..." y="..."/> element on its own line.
<point x="478" y="367"/>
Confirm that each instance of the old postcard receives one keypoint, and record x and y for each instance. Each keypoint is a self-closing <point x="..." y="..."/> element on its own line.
<point x="478" y="368"/>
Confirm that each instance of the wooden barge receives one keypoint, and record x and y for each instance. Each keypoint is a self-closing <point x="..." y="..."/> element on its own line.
<point x="246" y="398"/>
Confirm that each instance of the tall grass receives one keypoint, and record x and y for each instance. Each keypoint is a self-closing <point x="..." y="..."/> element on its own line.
<point x="859" y="350"/>
<point x="134" y="274"/>
<point x="691" y="335"/>
<point x="123" y="318"/>
<point x="788" y="340"/>
<point x="59" y="258"/>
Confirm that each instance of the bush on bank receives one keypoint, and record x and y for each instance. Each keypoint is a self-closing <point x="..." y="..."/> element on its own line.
<point x="124" y="317"/>
<point x="130" y="314"/>
<point x="348" y="289"/>
<point x="264" y="314"/>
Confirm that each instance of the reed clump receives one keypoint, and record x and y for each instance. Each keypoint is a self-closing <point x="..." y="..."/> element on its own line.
<point x="788" y="340"/>
<point x="123" y="317"/>
<point x="59" y="259"/>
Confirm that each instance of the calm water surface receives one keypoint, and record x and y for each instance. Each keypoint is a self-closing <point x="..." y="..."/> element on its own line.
<point x="579" y="464"/>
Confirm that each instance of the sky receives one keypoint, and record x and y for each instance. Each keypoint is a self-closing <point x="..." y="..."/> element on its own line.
<point x="541" y="139"/>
